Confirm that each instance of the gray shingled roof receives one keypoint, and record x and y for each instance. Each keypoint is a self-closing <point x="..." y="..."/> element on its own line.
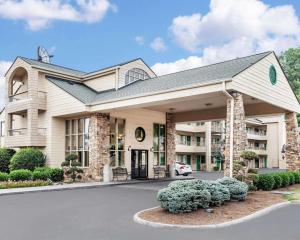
<point x="53" y="67"/>
<point x="207" y="74"/>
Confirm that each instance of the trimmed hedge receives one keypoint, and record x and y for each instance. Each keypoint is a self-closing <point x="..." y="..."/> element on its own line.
<point x="4" y="177"/>
<point x="45" y="173"/>
<point x="189" y="195"/>
<point x="277" y="180"/>
<point x="28" y="158"/>
<point x="5" y="156"/>
<point x="20" y="175"/>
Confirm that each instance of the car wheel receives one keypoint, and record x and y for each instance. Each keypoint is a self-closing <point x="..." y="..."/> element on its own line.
<point x="185" y="174"/>
<point x="176" y="173"/>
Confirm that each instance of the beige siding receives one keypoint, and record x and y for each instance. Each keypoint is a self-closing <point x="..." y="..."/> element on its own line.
<point x="139" y="118"/>
<point x="136" y="64"/>
<point x="61" y="103"/>
<point x="255" y="82"/>
<point x="102" y="83"/>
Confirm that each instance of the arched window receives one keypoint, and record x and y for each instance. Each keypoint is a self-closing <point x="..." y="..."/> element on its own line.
<point x="135" y="74"/>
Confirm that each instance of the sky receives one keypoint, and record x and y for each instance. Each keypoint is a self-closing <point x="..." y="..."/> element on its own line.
<point x="170" y="35"/>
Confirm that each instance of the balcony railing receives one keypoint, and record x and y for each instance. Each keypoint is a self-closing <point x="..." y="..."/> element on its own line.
<point x="24" y="95"/>
<point x="18" y="96"/>
<point x="257" y="133"/>
<point x="17" y="132"/>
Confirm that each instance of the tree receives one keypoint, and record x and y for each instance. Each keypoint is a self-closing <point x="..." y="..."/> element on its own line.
<point x="290" y="61"/>
<point x="71" y="167"/>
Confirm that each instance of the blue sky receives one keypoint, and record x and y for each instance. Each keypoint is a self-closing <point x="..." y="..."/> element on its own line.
<point x="170" y="35"/>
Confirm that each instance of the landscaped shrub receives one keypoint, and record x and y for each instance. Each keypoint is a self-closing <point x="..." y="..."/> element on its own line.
<point x="56" y="174"/>
<point x="266" y="182"/>
<point x="285" y="179"/>
<point x="28" y="158"/>
<point x="20" y="175"/>
<point x="277" y="180"/>
<point x="41" y="169"/>
<point x="297" y="177"/>
<point x="238" y="190"/>
<point x="291" y="178"/>
<point x="71" y="166"/>
<point x="5" y="156"/>
<point x="252" y="170"/>
<point x="39" y="183"/>
<point x="4" y="177"/>
<point x="40" y="175"/>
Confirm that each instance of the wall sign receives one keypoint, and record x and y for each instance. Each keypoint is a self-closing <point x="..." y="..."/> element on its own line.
<point x="273" y="75"/>
<point x="140" y="134"/>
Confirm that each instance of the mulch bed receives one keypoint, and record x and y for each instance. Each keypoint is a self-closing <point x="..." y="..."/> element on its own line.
<point x="231" y="210"/>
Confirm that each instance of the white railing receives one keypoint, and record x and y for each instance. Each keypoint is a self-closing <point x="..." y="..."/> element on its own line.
<point x="18" y="96"/>
<point x="17" y="132"/>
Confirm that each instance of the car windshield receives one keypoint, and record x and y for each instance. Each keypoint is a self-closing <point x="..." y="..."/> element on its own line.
<point x="180" y="163"/>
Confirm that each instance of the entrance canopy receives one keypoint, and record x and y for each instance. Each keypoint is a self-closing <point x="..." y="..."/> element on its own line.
<point x="200" y="93"/>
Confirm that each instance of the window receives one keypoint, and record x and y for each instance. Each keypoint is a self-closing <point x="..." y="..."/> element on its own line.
<point x="186" y="159"/>
<point x="135" y="74"/>
<point x="2" y="129"/>
<point x="185" y="140"/>
<point x="117" y="142"/>
<point x="77" y="139"/>
<point x="200" y="141"/>
<point x="159" y="144"/>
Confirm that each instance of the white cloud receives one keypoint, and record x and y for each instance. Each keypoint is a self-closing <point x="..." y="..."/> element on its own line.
<point x="232" y="28"/>
<point x="158" y="44"/>
<point x="4" y="65"/>
<point x="139" y="40"/>
<point x="39" y="14"/>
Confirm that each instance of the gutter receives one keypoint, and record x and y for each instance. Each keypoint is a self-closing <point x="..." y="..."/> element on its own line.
<point x="231" y="128"/>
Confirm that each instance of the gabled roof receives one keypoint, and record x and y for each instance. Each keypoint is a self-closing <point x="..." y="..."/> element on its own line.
<point x="207" y="74"/>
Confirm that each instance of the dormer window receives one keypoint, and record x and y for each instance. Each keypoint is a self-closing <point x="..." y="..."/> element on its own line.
<point x="135" y="74"/>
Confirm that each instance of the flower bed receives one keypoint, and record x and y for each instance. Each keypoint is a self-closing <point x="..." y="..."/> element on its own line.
<point x="22" y="184"/>
<point x="229" y="211"/>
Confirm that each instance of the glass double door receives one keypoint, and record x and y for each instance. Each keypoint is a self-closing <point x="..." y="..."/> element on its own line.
<point x="139" y="164"/>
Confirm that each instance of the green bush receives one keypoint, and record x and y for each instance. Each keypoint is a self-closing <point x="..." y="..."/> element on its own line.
<point x="39" y="183"/>
<point x="28" y="158"/>
<point x="4" y="177"/>
<point x="42" y="169"/>
<point x="285" y="179"/>
<point x="249" y="155"/>
<point x="291" y="178"/>
<point x="20" y="175"/>
<point x="297" y="177"/>
<point x="266" y="182"/>
<point x="56" y="174"/>
<point x="71" y="157"/>
<point x="277" y="180"/>
<point x="5" y="156"/>
<point x="40" y="175"/>
<point x="238" y="190"/>
<point x="252" y="170"/>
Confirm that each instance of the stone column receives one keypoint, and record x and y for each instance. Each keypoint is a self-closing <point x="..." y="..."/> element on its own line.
<point x="239" y="130"/>
<point x="99" y="142"/>
<point x="171" y="145"/>
<point x="292" y="142"/>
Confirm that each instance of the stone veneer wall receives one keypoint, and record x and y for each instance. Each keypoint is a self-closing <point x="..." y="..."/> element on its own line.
<point x="239" y="130"/>
<point x="171" y="137"/>
<point x="292" y="142"/>
<point x="99" y="142"/>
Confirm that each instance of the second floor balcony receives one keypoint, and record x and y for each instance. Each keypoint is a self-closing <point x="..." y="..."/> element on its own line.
<point x="22" y="101"/>
<point x="21" y="137"/>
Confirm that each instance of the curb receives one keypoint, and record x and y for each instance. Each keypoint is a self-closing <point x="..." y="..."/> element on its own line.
<point x="257" y="214"/>
<point x="51" y="188"/>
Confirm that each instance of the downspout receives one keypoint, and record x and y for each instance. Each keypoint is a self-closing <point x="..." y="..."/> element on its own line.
<point x="231" y="128"/>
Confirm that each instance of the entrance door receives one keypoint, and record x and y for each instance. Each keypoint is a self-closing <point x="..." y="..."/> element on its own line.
<point x="139" y="164"/>
<point x="198" y="164"/>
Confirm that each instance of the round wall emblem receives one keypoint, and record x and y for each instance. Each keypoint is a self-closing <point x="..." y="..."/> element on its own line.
<point x="273" y="75"/>
<point x="140" y="134"/>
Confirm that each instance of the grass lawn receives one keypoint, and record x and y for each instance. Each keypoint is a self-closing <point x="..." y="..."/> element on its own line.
<point x="295" y="196"/>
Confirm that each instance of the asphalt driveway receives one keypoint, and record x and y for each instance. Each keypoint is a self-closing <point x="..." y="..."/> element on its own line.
<point x="107" y="212"/>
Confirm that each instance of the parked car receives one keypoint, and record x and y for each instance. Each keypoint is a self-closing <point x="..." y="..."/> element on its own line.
<point x="182" y="169"/>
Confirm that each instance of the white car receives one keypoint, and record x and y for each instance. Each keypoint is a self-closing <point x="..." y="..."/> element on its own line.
<point x="182" y="169"/>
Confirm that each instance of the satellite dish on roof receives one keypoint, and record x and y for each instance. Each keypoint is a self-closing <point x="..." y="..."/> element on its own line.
<point x="43" y="55"/>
